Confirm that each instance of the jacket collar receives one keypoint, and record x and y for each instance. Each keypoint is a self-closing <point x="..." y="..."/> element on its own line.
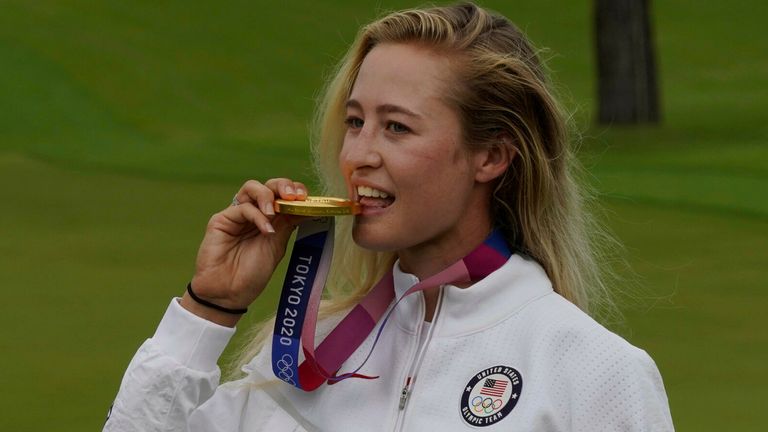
<point x="466" y="310"/>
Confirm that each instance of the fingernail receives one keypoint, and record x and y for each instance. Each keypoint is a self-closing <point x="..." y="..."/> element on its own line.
<point x="289" y="190"/>
<point x="300" y="191"/>
<point x="269" y="209"/>
<point x="268" y="226"/>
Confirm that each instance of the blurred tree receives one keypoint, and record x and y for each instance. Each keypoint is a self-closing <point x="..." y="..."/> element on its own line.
<point x="626" y="62"/>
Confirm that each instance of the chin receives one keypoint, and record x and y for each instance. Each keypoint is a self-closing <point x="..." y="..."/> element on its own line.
<point x="375" y="239"/>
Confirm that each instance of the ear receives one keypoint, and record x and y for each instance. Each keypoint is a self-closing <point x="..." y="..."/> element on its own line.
<point x="493" y="161"/>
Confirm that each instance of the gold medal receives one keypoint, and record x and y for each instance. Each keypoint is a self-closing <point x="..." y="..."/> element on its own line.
<point x="318" y="206"/>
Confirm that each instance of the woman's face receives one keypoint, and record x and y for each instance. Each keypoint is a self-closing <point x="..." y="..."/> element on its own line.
<point x="403" y="157"/>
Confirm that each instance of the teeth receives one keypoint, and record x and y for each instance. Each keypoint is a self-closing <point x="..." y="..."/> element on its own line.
<point x="371" y="192"/>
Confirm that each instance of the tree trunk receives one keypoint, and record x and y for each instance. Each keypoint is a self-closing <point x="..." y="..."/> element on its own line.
<point x="626" y="63"/>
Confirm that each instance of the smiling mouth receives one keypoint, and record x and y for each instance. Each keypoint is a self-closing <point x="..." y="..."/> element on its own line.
<point x="371" y="197"/>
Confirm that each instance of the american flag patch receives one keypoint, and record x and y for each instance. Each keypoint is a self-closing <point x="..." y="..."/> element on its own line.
<point x="494" y="387"/>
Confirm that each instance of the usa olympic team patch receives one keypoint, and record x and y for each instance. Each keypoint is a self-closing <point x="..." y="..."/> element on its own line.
<point x="490" y="395"/>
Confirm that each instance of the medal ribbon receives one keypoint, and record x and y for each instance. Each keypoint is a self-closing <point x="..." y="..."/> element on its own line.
<point x="298" y="308"/>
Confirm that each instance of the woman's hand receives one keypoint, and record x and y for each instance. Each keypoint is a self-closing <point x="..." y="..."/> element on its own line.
<point x="242" y="246"/>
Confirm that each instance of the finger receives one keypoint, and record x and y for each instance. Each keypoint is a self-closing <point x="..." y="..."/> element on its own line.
<point x="256" y="192"/>
<point x="301" y="190"/>
<point x="286" y="188"/>
<point x="247" y="213"/>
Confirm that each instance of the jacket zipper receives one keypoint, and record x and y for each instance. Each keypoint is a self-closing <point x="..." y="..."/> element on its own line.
<point x="415" y="364"/>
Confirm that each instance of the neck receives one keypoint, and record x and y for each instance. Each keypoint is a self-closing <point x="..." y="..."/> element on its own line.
<point x="428" y="259"/>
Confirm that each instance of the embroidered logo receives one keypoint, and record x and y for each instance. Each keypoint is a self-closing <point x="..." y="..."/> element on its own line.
<point x="490" y="395"/>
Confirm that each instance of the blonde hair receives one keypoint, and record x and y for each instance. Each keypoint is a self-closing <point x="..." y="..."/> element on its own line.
<point x="501" y="89"/>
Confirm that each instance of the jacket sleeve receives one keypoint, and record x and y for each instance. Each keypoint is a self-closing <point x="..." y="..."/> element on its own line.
<point x="171" y="375"/>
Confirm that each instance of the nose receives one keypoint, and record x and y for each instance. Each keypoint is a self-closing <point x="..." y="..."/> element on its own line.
<point x="360" y="151"/>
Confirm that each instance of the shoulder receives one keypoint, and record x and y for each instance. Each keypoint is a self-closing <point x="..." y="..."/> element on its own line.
<point x="607" y="377"/>
<point x="546" y="324"/>
<point x="566" y="335"/>
<point x="558" y="331"/>
<point x="565" y="327"/>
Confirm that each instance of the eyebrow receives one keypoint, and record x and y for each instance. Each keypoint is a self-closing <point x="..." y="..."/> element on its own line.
<point x="386" y="108"/>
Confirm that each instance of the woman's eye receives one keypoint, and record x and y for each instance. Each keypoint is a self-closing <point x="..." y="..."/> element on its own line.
<point x="354" y="122"/>
<point x="397" y="128"/>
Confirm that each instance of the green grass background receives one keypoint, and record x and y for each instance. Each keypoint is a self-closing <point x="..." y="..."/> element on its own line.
<point x="124" y="125"/>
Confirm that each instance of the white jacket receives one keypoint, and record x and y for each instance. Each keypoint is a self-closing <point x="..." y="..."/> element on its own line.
<point x="506" y="354"/>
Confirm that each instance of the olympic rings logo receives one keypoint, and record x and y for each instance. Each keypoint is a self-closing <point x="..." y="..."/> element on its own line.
<point x="286" y="371"/>
<point x="486" y="405"/>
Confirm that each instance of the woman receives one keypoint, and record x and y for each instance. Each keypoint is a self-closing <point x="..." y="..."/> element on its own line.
<point x="440" y="125"/>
